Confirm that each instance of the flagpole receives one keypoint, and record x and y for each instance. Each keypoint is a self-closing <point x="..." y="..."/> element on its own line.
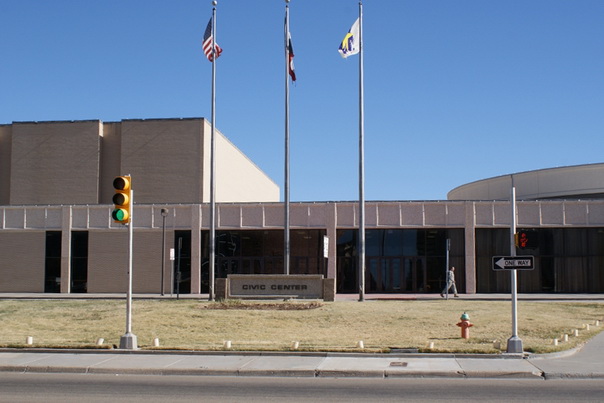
<point x="361" y="162"/>
<point x="212" y="268"/>
<point x="286" y="240"/>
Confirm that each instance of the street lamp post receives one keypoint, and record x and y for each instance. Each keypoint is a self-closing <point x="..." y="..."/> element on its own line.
<point x="164" y="214"/>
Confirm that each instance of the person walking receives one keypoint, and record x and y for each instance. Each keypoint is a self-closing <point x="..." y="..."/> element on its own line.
<point x="450" y="283"/>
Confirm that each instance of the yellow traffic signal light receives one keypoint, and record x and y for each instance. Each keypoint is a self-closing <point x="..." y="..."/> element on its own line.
<point x="122" y="199"/>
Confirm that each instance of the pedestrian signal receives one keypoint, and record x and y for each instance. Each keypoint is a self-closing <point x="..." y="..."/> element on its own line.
<point x="526" y="239"/>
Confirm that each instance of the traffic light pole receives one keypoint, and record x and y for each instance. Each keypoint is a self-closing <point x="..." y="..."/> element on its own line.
<point x="129" y="340"/>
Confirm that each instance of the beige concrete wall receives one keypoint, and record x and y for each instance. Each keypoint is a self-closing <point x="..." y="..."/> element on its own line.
<point x="147" y="262"/>
<point x="164" y="158"/>
<point x="55" y="163"/>
<point x="238" y="179"/>
<point x="344" y="215"/>
<point x="108" y="261"/>
<point x="577" y="181"/>
<point x="66" y="225"/>
<point x="5" y="148"/>
<point x="22" y="232"/>
<point x="167" y="263"/>
<point x="470" y="248"/>
<point x="169" y="159"/>
<point x="111" y="160"/>
<point x="22" y="261"/>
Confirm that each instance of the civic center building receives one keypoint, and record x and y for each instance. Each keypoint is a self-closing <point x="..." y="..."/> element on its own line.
<point x="57" y="234"/>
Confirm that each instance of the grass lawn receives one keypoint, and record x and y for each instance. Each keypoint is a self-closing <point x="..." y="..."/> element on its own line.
<point x="329" y="326"/>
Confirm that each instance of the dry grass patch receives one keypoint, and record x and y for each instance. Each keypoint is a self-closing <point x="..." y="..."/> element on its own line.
<point x="317" y="326"/>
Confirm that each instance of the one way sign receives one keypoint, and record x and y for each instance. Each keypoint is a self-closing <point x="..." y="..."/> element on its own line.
<point x="513" y="262"/>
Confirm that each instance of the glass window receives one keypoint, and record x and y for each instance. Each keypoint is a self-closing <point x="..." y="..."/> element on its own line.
<point x="400" y="260"/>
<point x="182" y="262"/>
<point x="393" y="243"/>
<point x="565" y="261"/>
<point x="52" y="266"/>
<point x="412" y="243"/>
<point x="262" y="251"/>
<point x="79" y="261"/>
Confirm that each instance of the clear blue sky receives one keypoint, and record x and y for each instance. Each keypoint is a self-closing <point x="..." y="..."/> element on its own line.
<point x="455" y="91"/>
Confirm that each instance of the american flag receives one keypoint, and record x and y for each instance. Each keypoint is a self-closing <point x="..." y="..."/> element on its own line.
<point x="208" y="41"/>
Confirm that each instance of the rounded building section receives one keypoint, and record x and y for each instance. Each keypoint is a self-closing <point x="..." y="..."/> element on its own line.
<point x="570" y="182"/>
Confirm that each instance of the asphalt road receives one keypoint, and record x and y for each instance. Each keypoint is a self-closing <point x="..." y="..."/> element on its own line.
<point x="66" y="388"/>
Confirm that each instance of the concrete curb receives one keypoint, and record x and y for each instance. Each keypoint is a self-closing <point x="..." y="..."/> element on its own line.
<point x="558" y="354"/>
<point x="324" y="354"/>
<point x="503" y="375"/>
<point x="557" y="375"/>
<point x="292" y="373"/>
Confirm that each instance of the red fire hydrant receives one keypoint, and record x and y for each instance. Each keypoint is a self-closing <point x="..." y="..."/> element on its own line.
<point x="465" y="325"/>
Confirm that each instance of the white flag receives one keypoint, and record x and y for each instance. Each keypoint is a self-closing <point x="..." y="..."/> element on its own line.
<point x="351" y="45"/>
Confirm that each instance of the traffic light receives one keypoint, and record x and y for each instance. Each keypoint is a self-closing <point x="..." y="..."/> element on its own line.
<point x="122" y="199"/>
<point x="526" y="239"/>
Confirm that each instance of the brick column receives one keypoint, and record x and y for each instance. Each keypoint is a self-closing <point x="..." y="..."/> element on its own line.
<point x="330" y="223"/>
<point x="470" y="244"/>
<point x="196" y="249"/>
<point x="66" y="221"/>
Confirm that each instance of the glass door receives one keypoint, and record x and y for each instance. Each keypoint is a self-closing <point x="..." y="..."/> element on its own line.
<point x="396" y="275"/>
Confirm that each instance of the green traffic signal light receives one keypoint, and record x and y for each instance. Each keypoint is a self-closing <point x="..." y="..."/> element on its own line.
<point x="120" y="215"/>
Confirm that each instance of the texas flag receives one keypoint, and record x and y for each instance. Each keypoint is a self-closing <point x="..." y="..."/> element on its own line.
<point x="290" y="51"/>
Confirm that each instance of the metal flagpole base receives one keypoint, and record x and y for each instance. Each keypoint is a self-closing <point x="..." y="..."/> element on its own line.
<point x="515" y="345"/>
<point x="128" y="342"/>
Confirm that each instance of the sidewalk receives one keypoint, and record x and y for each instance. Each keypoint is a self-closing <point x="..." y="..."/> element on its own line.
<point x="584" y="363"/>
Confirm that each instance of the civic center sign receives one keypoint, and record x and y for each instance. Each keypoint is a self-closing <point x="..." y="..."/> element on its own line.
<point x="259" y="286"/>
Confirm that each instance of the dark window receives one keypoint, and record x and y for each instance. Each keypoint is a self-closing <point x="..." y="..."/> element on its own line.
<point x="182" y="262"/>
<point x="566" y="260"/>
<point x="79" y="261"/>
<point x="262" y="251"/>
<point x="400" y="260"/>
<point x="52" y="266"/>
